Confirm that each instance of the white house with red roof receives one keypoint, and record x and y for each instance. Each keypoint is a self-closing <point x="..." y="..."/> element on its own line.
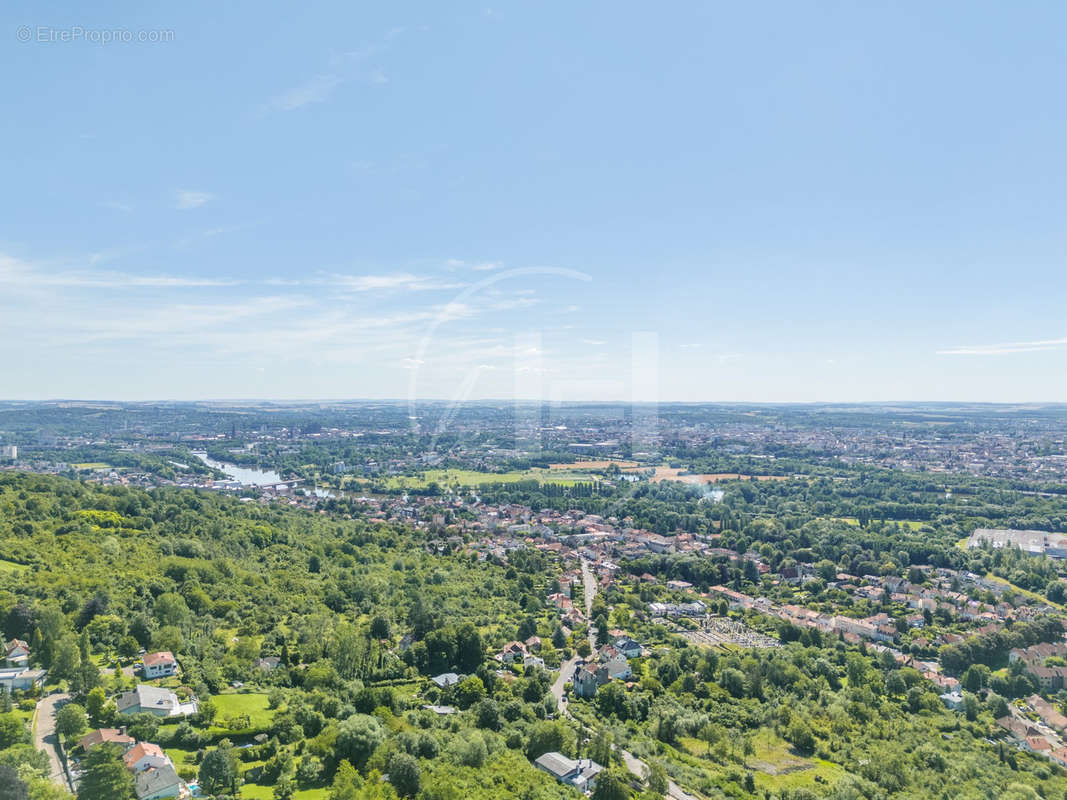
<point x="145" y="755"/>
<point x="17" y="653"/>
<point x="160" y="665"/>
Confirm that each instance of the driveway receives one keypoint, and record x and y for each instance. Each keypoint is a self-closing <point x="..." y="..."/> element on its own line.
<point x="45" y="737"/>
<point x="637" y="767"/>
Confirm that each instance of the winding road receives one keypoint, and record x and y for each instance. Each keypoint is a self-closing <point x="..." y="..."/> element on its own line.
<point x="636" y="766"/>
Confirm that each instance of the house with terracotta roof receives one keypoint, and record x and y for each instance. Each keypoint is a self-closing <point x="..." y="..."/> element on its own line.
<point x="1037" y="744"/>
<point x="160" y="665"/>
<point x="106" y="736"/>
<point x="512" y="651"/>
<point x="1047" y="712"/>
<point x="145" y="755"/>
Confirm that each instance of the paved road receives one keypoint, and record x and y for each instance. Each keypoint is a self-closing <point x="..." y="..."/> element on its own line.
<point x="566" y="671"/>
<point x="634" y="764"/>
<point x="637" y="767"/>
<point x="46" y="739"/>
<point x="589" y="586"/>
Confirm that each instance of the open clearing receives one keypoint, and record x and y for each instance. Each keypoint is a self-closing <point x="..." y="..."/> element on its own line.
<point x="678" y="474"/>
<point x="254" y="705"/>
<point x="467" y="477"/>
<point x="595" y="465"/>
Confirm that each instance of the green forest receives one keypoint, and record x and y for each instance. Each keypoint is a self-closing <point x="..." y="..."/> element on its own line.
<point x="309" y="640"/>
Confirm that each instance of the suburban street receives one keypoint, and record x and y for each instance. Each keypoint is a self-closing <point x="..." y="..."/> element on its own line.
<point x="635" y="765"/>
<point x="45" y="737"/>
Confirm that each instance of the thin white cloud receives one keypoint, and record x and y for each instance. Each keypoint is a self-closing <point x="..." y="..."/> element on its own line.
<point x="115" y="205"/>
<point x="316" y="90"/>
<point x="187" y="199"/>
<point x="1004" y="349"/>
<point x="343" y="68"/>
<point x="397" y="281"/>
<point x="16" y="273"/>
<point x="453" y="264"/>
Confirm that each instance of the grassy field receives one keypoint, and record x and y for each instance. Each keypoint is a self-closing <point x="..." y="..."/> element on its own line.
<point x="11" y="566"/>
<point x="774" y="762"/>
<point x="235" y="705"/>
<point x="594" y="465"/>
<point x="466" y="477"/>
<point x="92" y="465"/>
<point x="249" y="791"/>
<point x="778" y="766"/>
<point x="1034" y="596"/>
<point x="910" y="523"/>
<point x="252" y="791"/>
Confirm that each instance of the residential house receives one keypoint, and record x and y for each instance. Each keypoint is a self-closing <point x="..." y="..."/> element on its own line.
<point x="158" y="782"/>
<point x="614" y="662"/>
<point x="106" y="735"/>
<point x="20" y="679"/>
<point x="160" y="665"/>
<point x="628" y="647"/>
<point x="1051" y="679"/>
<point x="17" y="653"/>
<point x="268" y="664"/>
<point x="1048" y="713"/>
<point x="952" y="700"/>
<point x="586" y="681"/>
<point x="145" y="755"/>
<point x="581" y="773"/>
<point x="445" y="679"/>
<point x="154" y="700"/>
<point x="1017" y="727"/>
<point x="1037" y="744"/>
<point x="512" y="651"/>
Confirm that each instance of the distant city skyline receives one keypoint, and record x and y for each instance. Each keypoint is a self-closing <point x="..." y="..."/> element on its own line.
<point x="711" y="202"/>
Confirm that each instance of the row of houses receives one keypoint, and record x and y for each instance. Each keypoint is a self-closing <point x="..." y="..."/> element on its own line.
<point x="1032" y="739"/>
<point x="154" y="775"/>
<point x="612" y="663"/>
<point x="524" y="652"/>
<point x="1050" y="678"/>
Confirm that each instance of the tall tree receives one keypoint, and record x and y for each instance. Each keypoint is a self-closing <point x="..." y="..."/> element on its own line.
<point x="11" y="788"/>
<point x="106" y="777"/>
<point x="218" y="771"/>
<point x="71" y="721"/>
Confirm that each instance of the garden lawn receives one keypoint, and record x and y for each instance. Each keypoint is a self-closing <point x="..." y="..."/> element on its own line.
<point x="253" y="704"/>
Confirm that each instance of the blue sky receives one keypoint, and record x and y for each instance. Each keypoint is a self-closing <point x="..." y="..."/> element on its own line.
<point x="697" y="201"/>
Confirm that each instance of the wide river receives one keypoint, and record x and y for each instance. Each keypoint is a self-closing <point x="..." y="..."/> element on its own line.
<point x="248" y="476"/>
<point x="245" y="475"/>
